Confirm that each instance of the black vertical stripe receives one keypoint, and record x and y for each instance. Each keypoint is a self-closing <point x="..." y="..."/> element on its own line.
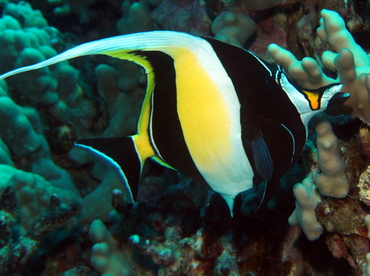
<point x="264" y="104"/>
<point x="166" y="128"/>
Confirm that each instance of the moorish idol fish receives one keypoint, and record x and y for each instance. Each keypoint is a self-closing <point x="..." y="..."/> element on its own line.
<point x="214" y="112"/>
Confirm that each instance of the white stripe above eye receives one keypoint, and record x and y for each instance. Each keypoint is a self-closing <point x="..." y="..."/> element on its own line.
<point x="260" y="61"/>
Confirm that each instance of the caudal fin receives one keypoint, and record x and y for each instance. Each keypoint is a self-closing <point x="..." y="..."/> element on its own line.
<point x="121" y="155"/>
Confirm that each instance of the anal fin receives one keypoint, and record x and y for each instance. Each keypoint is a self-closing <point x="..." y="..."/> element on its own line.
<point x="119" y="154"/>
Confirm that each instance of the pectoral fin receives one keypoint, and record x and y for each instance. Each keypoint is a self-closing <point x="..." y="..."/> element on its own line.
<point x="262" y="158"/>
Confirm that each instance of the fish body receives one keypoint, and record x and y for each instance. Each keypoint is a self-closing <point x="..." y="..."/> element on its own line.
<point x="214" y="112"/>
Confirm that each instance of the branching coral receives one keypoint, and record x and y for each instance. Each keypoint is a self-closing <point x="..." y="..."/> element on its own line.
<point x="233" y="28"/>
<point x="332" y="180"/>
<point x="349" y="60"/>
<point x="329" y="176"/>
<point x="304" y="214"/>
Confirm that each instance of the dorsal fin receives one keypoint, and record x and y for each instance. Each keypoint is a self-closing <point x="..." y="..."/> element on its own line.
<point x="128" y="47"/>
<point x="122" y="47"/>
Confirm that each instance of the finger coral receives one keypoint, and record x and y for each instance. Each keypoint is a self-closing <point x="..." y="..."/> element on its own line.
<point x="347" y="59"/>
<point x="233" y="28"/>
<point x="332" y="180"/>
<point x="304" y="215"/>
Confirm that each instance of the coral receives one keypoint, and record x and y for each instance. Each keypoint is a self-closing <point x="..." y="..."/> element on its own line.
<point x="233" y="28"/>
<point x="24" y="42"/>
<point x="216" y="7"/>
<point x="16" y="252"/>
<point x="267" y="31"/>
<point x="81" y="8"/>
<point x="23" y="130"/>
<point x="349" y="60"/>
<point x="332" y="180"/>
<point x="28" y="41"/>
<point x="307" y="73"/>
<point x="367" y="222"/>
<point x="328" y="175"/>
<point x="344" y="219"/>
<point x="364" y="139"/>
<point x="107" y="256"/>
<point x="184" y="16"/>
<point x="170" y="245"/>
<point x="122" y="89"/>
<point x="33" y="193"/>
<point x="304" y="214"/>
<point x="366" y="267"/>
<point x="364" y="187"/>
<point x="23" y="13"/>
<point x="257" y="5"/>
<point x="135" y="17"/>
<point x="21" y="133"/>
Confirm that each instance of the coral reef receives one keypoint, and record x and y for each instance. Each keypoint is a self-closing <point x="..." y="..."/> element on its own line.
<point x="17" y="252"/>
<point x="178" y="227"/>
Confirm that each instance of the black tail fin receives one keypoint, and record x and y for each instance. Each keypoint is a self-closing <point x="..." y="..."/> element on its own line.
<point x="121" y="155"/>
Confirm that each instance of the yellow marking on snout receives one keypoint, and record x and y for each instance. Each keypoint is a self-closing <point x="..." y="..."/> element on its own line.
<point x="314" y="99"/>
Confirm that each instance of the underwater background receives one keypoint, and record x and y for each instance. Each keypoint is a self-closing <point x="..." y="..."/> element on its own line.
<point x="64" y="212"/>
